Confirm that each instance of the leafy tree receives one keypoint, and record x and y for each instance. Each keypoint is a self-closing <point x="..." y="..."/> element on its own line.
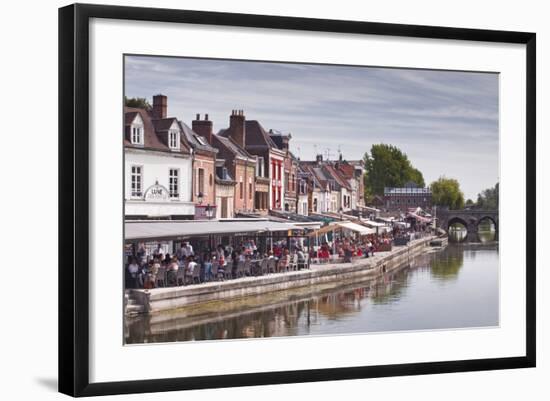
<point x="367" y="192"/>
<point x="388" y="166"/>
<point x="446" y="192"/>
<point x="138" y="102"/>
<point x="488" y="198"/>
<point x="417" y="177"/>
<point x="469" y="203"/>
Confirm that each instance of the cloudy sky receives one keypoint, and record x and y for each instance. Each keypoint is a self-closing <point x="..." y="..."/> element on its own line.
<point x="446" y="122"/>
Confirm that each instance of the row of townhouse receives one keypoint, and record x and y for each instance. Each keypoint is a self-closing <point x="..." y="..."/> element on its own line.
<point x="173" y="171"/>
<point x="330" y="186"/>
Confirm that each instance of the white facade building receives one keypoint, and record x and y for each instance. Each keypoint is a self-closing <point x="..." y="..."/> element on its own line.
<point x="157" y="165"/>
<point x="157" y="184"/>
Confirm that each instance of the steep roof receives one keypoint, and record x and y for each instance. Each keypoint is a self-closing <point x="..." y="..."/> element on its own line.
<point x="232" y="147"/>
<point x="256" y="135"/>
<point x="336" y="175"/>
<point x="316" y="174"/>
<point x="196" y="141"/>
<point x="164" y="124"/>
<point x="130" y="116"/>
<point x="151" y="131"/>
<point x="347" y="170"/>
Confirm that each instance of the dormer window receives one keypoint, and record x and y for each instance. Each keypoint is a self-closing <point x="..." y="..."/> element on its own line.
<point x="137" y="135"/>
<point x="174" y="139"/>
<point x="136" y="131"/>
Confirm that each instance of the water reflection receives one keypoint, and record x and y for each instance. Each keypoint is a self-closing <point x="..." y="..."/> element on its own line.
<point x="422" y="295"/>
<point x="458" y="233"/>
<point x="448" y="264"/>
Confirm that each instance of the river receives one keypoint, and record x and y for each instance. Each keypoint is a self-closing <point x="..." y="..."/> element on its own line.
<point x="457" y="287"/>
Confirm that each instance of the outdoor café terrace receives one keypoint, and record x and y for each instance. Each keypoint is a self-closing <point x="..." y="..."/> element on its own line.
<point x="236" y="248"/>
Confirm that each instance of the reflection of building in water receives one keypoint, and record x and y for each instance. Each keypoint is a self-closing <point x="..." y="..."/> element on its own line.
<point x="341" y="303"/>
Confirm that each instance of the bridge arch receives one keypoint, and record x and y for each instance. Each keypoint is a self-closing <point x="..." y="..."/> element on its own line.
<point x="457" y="220"/>
<point x="493" y="220"/>
<point x="454" y="220"/>
<point x="487" y="217"/>
<point x="470" y="218"/>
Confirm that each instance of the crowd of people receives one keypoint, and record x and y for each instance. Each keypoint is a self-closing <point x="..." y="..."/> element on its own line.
<point x="185" y="266"/>
<point x="348" y="248"/>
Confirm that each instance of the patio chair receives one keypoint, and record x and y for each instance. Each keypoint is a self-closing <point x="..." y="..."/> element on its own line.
<point x="272" y="265"/>
<point x="293" y="262"/>
<point x="264" y="268"/>
<point x="228" y="270"/>
<point x="218" y="271"/>
<point x="240" y="269"/>
<point x="196" y="276"/>
<point x="247" y="267"/>
<point x="214" y="271"/>
<point x="161" y="277"/>
<point x="180" y="276"/>
<point x="302" y="264"/>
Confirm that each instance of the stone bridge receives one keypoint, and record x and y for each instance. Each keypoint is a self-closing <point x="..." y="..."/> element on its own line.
<point x="469" y="218"/>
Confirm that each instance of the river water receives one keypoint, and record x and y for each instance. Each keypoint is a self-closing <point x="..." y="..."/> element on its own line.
<point x="457" y="287"/>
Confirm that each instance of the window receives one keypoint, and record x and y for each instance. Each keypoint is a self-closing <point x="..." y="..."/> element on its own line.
<point x="173" y="183"/>
<point x="200" y="181"/>
<point x="137" y="181"/>
<point x="200" y="140"/>
<point x="249" y="190"/>
<point x="173" y="139"/>
<point x="224" y="208"/>
<point x="241" y="189"/>
<point x="137" y="134"/>
<point x="260" y="167"/>
<point x="210" y="180"/>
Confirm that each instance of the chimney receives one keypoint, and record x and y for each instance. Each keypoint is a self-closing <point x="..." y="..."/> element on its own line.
<point x="237" y="127"/>
<point x="160" y="106"/>
<point x="203" y="127"/>
<point x="319" y="159"/>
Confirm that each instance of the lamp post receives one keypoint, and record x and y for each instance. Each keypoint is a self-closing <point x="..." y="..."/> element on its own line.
<point x="209" y="210"/>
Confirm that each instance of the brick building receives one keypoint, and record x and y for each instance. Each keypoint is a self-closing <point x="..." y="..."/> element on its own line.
<point x="408" y="196"/>
<point x="290" y="166"/>
<point x="270" y="160"/>
<point x="204" y="166"/>
<point x="240" y="164"/>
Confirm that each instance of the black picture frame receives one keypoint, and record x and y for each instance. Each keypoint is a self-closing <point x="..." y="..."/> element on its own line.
<point x="74" y="203"/>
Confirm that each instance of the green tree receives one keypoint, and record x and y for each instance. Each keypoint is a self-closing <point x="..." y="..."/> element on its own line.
<point x="446" y="192"/>
<point x="388" y="166"/>
<point x="488" y="198"/>
<point x="469" y="203"/>
<point x="138" y="102"/>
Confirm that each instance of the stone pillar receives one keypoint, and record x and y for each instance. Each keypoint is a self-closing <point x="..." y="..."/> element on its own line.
<point x="472" y="233"/>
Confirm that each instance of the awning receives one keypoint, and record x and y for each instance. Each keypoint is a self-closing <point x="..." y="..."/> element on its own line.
<point x="420" y="218"/>
<point x="371" y="223"/>
<point x="372" y="209"/>
<point x="356" y="227"/>
<point x="148" y="230"/>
